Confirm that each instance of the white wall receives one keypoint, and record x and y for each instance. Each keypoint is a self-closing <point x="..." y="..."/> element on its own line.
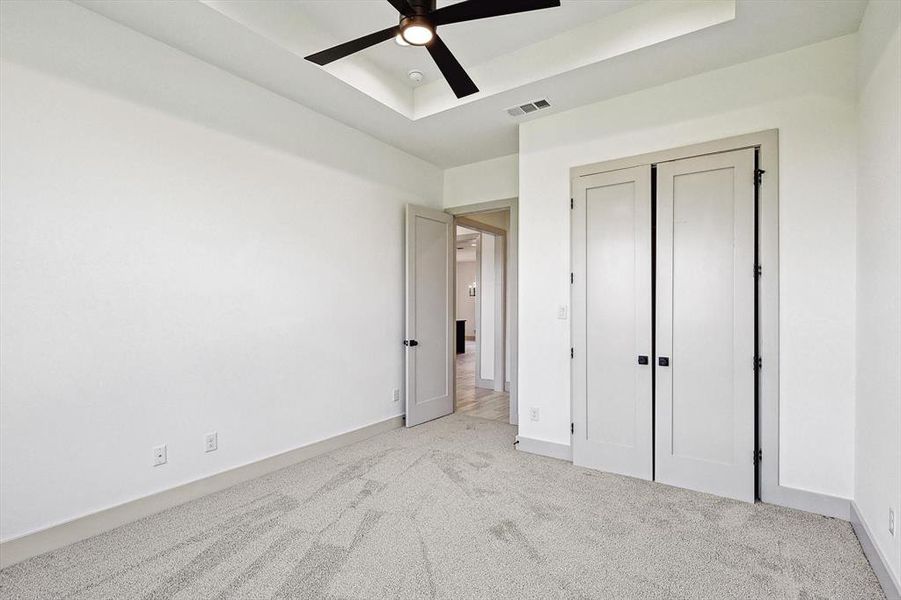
<point x="495" y="179"/>
<point x="809" y="95"/>
<point x="466" y="304"/>
<point x="878" y="415"/>
<point x="487" y="300"/>
<point x="163" y="279"/>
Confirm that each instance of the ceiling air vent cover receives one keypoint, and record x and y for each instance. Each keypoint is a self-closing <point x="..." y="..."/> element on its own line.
<point x="528" y="107"/>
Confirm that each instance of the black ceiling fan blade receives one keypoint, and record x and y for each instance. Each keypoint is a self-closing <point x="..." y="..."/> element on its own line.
<point x="403" y="7"/>
<point x="348" y="48"/>
<point x="482" y="9"/>
<point x="451" y="69"/>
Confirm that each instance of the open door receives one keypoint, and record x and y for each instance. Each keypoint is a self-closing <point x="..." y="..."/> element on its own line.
<point x="429" y="314"/>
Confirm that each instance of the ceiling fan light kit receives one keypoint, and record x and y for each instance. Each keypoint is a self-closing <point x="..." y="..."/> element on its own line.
<point x="416" y="31"/>
<point x="419" y="22"/>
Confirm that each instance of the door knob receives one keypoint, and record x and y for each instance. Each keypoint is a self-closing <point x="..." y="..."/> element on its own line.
<point x="642" y="359"/>
<point x="663" y="361"/>
<point x="411" y="343"/>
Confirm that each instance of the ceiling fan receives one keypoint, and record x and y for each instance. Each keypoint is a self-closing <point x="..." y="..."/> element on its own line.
<point x="419" y="21"/>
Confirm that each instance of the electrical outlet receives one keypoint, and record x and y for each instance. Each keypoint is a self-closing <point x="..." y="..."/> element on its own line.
<point x="212" y="442"/>
<point x="159" y="455"/>
<point x="891" y="521"/>
<point x="396" y="395"/>
<point x="561" y="311"/>
<point x="533" y="413"/>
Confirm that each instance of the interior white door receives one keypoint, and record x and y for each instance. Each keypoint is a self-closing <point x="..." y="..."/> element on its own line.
<point x="429" y="314"/>
<point x="611" y="322"/>
<point x="705" y="324"/>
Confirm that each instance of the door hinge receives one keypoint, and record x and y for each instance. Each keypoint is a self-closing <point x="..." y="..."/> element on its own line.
<point x="758" y="271"/>
<point x="758" y="176"/>
<point x="572" y="204"/>
<point x="572" y="353"/>
<point x="758" y="363"/>
<point x="758" y="456"/>
<point x="572" y="279"/>
<point x="572" y="428"/>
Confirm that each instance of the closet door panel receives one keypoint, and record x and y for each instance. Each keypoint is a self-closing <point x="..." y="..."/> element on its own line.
<point x="612" y="322"/>
<point x="705" y="324"/>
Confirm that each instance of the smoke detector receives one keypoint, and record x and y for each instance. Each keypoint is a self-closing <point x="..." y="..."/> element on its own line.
<point x="415" y="76"/>
<point x="528" y="107"/>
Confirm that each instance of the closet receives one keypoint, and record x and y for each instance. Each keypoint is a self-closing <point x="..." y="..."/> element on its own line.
<point x="663" y="329"/>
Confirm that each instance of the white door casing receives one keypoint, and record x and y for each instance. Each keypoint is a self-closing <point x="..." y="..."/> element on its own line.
<point x="429" y="314"/>
<point x="704" y="438"/>
<point x="611" y="322"/>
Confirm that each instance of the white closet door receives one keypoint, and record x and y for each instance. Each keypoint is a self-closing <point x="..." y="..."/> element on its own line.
<point x="611" y="321"/>
<point x="705" y="324"/>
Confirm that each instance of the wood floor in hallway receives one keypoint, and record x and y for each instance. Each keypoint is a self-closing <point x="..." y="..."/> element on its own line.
<point x="474" y="401"/>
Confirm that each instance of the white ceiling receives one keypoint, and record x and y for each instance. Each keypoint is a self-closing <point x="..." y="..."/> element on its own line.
<point x="264" y="42"/>
<point x="466" y="243"/>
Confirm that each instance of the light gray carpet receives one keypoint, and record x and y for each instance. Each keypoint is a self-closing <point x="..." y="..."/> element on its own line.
<point x="450" y="510"/>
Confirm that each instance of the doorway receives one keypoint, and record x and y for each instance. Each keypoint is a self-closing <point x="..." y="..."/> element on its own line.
<point x="430" y="312"/>
<point x="482" y="380"/>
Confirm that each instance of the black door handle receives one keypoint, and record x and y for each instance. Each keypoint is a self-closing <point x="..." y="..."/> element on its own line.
<point x="663" y="361"/>
<point x="410" y="343"/>
<point x="642" y="359"/>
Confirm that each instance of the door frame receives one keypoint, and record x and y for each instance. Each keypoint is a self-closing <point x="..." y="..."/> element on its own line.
<point x="770" y="488"/>
<point x="511" y="279"/>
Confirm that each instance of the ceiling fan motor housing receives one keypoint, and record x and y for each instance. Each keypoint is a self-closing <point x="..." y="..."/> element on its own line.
<point x="422" y="7"/>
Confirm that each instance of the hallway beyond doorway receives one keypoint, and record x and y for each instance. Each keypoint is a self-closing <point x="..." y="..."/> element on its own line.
<point x="478" y="402"/>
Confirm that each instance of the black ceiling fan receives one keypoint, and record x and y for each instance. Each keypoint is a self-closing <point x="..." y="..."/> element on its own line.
<point x="419" y="21"/>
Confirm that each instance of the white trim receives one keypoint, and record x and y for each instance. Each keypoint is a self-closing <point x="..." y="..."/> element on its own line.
<point x="812" y="502"/>
<point x="544" y="448"/>
<point x="890" y="584"/>
<point x="32" y="544"/>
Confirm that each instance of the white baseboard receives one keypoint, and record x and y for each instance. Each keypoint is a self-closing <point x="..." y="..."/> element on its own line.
<point x="485" y="384"/>
<point x="56" y="536"/>
<point x="545" y="448"/>
<point x="821" y="504"/>
<point x="890" y="584"/>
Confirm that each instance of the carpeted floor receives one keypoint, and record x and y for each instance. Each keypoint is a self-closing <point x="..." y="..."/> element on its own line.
<point x="450" y="510"/>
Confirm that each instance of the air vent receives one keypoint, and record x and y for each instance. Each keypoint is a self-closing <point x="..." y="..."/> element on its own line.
<point x="528" y="107"/>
